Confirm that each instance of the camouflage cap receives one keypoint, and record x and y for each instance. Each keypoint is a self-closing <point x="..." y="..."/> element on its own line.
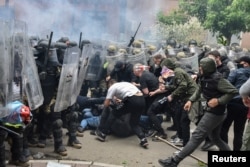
<point x="111" y="48"/>
<point x="136" y="44"/>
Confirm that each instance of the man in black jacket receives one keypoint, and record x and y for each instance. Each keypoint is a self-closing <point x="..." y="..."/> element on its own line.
<point x="122" y="72"/>
<point x="217" y="91"/>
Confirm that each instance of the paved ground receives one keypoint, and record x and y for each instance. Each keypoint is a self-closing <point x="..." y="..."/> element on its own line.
<point x="115" y="152"/>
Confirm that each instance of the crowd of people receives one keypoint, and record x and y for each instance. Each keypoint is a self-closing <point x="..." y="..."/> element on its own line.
<point x="137" y="96"/>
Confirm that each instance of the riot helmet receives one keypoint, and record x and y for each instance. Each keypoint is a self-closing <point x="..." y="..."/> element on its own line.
<point x="185" y="48"/>
<point x="136" y="44"/>
<point x="123" y="51"/>
<point x="111" y="48"/>
<point x="192" y="42"/>
<point x="171" y="42"/>
<point x="136" y="51"/>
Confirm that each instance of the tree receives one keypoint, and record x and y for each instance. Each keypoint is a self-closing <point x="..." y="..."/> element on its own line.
<point x="182" y="33"/>
<point x="226" y="17"/>
<point x="174" y="17"/>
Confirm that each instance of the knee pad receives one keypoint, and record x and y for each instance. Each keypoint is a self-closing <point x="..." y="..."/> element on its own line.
<point x="57" y="123"/>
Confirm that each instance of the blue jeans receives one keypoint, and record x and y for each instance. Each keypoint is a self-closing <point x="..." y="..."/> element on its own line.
<point x="90" y="120"/>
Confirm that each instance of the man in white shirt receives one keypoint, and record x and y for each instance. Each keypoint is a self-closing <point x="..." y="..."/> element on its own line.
<point x="133" y="103"/>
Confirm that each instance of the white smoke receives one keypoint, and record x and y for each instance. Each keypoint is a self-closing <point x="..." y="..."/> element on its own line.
<point x="71" y="17"/>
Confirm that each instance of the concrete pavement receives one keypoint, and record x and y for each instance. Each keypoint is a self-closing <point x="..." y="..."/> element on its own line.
<point x="115" y="152"/>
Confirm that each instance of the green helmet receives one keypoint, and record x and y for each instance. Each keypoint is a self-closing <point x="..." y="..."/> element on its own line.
<point x="122" y="51"/>
<point x="111" y="48"/>
<point x="136" y="51"/>
<point x="151" y="47"/>
<point x="137" y="44"/>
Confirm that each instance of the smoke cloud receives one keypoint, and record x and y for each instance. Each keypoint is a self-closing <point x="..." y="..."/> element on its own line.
<point x="96" y="19"/>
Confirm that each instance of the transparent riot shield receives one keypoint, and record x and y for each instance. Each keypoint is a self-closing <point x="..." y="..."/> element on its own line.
<point x="137" y="58"/>
<point x="171" y="52"/>
<point x="96" y="60"/>
<point x="192" y="61"/>
<point x="195" y="50"/>
<point x="5" y="68"/>
<point x="31" y="82"/>
<point x="83" y="66"/>
<point x="67" y="89"/>
<point x="26" y="83"/>
<point x="232" y="55"/>
<point x="111" y="60"/>
<point x="18" y="51"/>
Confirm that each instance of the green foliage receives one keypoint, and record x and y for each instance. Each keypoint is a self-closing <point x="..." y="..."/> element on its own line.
<point x="182" y="33"/>
<point x="178" y="25"/>
<point x="195" y="8"/>
<point x="174" y="17"/>
<point x="227" y="17"/>
<point x="222" y="40"/>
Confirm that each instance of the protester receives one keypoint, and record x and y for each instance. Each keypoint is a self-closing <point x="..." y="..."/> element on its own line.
<point x="149" y="85"/>
<point x="236" y="111"/>
<point x="245" y="94"/>
<point x="132" y="101"/>
<point x="183" y="86"/>
<point x="218" y="92"/>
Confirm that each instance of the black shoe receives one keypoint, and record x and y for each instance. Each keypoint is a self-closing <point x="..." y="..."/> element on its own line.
<point x="75" y="144"/>
<point x="26" y="153"/>
<point x="101" y="136"/>
<point x="172" y="128"/>
<point x="169" y="162"/>
<point x="32" y="142"/>
<point x="19" y="163"/>
<point x="61" y="150"/>
<point x="144" y="143"/>
<point x="161" y="135"/>
<point x="174" y="136"/>
<point x="80" y="129"/>
<point x="41" y="144"/>
<point x="207" y="145"/>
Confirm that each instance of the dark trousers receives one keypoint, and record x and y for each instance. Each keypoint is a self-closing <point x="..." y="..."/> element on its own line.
<point x="154" y="109"/>
<point x="86" y="102"/>
<point x="237" y="114"/>
<point x="183" y="123"/>
<point x="134" y="105"/>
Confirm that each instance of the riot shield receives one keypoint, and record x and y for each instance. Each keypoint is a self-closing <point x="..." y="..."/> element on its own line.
<point x="83" y="66"/>
<point x="192" y="61"/>
<point x="18" y="51"/>
<point x="5" y="66"/>
<point x="111" y="60"/>
<point x="195" y="50"/>
<point x="26" y="81"/>
<point x="172" y="52"/>
<point x="232" y="55"/>
<point x="67" y="89"/>
<point x="137" y="58"/>
<point x="95" y="63"/>
<point x="31" y="82"/>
